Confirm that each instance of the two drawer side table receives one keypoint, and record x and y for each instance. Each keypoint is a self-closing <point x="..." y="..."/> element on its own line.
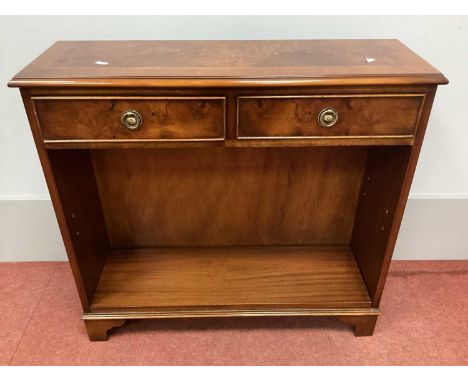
<point x="228" y="178"/>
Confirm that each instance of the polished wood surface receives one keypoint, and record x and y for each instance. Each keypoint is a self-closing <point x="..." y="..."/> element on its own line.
<point x="323" y="277"/>
<point x="363" y="325"/>
<point x="296" y="117"/>
<point x="85" y="275"/>
<point x="77" y="190"/>
<point x="378" y="199"/>
<point x="231" y="143"/>
<point x="237" y="196"/>
<point x="177" y="118"/>
<point x="97" y="329"/>
<point x="230" y="200"/>
<point x="226" y="63"/>
<point x="408" y="175"/>
<point x="231" y="117"/>
<point x="363" y="320"/>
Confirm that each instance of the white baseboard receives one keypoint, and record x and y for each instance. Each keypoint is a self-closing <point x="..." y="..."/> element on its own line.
<point x="432" y="229"/>
<point x="29" y="231"/>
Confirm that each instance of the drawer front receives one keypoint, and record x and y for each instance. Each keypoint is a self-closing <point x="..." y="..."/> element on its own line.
<point x="103" y="119"/>
<point x="328" y="116"/>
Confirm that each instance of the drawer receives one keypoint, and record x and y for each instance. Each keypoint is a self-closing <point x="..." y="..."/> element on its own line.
<point x="131" y="118"/>
<point x="328" y="116"/>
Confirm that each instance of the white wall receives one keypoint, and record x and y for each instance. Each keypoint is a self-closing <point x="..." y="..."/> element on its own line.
<point x="442" y="171"/>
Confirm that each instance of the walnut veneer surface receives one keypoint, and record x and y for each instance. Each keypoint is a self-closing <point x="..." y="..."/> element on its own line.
<point x="164" y="119"/>
<point x="73" y="62"/>
<point x="282" y="116"/>
<point x="229" y="178"/>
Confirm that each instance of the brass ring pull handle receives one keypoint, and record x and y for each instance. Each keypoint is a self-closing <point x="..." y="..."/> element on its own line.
<point x="327" y="117"/>
<point x="131" y="120"/>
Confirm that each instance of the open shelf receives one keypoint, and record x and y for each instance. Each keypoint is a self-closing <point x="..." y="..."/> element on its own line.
<point x="230" y="277"/>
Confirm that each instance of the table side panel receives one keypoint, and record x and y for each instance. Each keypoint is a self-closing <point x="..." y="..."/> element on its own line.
<point x="386" y="184"/>
<point x="79" y="199"/>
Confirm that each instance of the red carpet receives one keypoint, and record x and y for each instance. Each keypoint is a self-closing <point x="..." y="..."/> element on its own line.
<point x="424" y="322"/>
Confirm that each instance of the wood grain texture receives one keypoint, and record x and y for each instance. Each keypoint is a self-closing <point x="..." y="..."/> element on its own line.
<point x="363" y="320"/>
<point x="381" y="187"/>
<point x="221" y="196"/>
<point x="238" y="143"/>
<point x="79" y="198"/>
<point x="54" y="183"/>
<point x="226" y="63"/>
<point x="231" y="276"/>
<point x="402" y="198"/>
<point x="229" y="92"/>
<point x="238" y="218"/>
<point x="363" y="325"/>
<point x="297" y="116"/>
<point x="98" y="329"/>
<point x="89" y="118"/>
<point x="385" y="189"/>
<point x="225" y="311"/>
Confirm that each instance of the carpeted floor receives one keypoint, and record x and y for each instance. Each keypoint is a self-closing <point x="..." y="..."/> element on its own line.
<point x="424" y="322"/>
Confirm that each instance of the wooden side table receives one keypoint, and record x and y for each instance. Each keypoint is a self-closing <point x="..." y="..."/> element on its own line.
<point x="228" y="178"/>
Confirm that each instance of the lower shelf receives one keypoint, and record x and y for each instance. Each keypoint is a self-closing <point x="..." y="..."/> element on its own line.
<point x="229" y="278"/>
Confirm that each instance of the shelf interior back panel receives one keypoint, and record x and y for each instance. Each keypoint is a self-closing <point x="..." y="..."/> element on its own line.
<point x="229" y="196"/>
<point x="230" y="277"/>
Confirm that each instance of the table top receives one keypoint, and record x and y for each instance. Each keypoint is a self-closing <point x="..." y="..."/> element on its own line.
<point x="227" y="63"/>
